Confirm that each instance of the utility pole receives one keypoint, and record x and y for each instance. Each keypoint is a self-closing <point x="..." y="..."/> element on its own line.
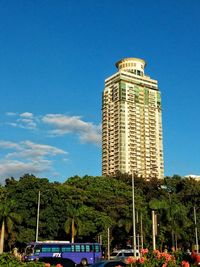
<point x="138" y="242"/>
<point x="141" y="233"/>
<point x="108" y="243"/>
<point x="196" y="233"/>
<point x="134" y="226"/>
<point x="38" y="217"/>
<point x="134" y="220"/>
<point x="154" y="229"/>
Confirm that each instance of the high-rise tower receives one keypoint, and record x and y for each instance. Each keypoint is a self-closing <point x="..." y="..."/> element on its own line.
<point x="132" y="122"/>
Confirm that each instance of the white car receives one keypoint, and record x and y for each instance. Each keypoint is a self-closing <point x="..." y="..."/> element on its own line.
<point x="123" y="254"/>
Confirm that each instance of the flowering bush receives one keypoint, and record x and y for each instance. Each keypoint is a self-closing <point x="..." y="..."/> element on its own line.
<point x="157" y="259"/>
<point x="9" y="260"/>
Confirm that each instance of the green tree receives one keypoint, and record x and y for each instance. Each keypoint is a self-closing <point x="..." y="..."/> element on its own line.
<point x="73" y="222"/>
<point x="8" y="218"/>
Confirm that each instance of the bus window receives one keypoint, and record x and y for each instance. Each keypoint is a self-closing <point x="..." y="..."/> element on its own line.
<point x="87" y="248"/>
<point x="55" y="249"/>
<point x="66" y="248"/>
<point x="97" y="248"/>
<point x="37" y="250"/>
<point x="46" y="249"/>
<point x="77" y="248"/>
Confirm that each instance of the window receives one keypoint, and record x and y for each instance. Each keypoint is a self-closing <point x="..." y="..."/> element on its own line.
<point x="46" y="249"/>
<point x="87" y="248"/>
<point x="66" y="248"/>
<point x="37" y="249"/>
<point x="77" y="248"/>
<point x="128" y="254"/>
<point x="97" y="248"/>
<point x="55" y="249"/>
<point x="82" y="248"/>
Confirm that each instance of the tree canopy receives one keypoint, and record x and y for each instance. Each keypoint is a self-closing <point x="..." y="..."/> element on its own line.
<point x="90" y="205"/>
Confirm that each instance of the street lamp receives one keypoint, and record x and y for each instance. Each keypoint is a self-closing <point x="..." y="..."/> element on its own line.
<point x="196" y="233"/>
<point x="38" y="216"/>
<point x="134" y="228"/>
<point x="133" y="203"/>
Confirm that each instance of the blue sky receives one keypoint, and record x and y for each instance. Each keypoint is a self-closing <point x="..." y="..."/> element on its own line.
<point x="54" y="58"/>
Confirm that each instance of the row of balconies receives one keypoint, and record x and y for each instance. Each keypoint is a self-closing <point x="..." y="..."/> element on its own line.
<point x="134" y="157"/>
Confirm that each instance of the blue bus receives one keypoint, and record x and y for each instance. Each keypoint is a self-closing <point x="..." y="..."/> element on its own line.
<point x="63" y="252"/>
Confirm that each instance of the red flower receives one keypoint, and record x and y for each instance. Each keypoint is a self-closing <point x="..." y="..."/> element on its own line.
<point x="59" y="265"/>
<point x="185" y="264"/>
<point x="198" y="258"/>
<point x="166" y="256"/>
<point x="141" y="260"/>
<point x="47" y="265"/>
<point x="144" y="251"/>
<point x="130" y="260"/>
<point x="157" y="253"/>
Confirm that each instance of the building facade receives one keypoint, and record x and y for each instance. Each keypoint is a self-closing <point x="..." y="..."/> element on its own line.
<point x="132" y="122"/>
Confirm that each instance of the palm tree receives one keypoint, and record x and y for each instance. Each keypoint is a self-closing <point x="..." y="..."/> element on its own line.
<point x="73" y="222"/>
<point x="7" y="219"/>
<point x="174" y="214"/>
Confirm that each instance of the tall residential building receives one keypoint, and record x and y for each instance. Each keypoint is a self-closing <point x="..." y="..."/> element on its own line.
<point x="132" y="122"/>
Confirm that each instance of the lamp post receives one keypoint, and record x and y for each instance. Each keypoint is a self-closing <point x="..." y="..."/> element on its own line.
<point x="134" y="228"/>
<point x="196" y="233"/>
<point x="154" y="223"/>
<point x="38" y="215"/>
<point x="141" y="227"/>
<point x="108" y="243"/>
<point x="133" y="203"/>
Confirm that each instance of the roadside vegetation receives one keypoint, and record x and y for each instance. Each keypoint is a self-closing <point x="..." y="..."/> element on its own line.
<point x="83" y="208"/>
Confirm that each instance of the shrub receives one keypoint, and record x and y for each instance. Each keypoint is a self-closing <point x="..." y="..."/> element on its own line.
<point x="158" y="259"/>
<point x="8" y="260"/>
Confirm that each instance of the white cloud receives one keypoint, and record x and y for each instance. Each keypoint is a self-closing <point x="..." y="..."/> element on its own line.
<point x="27" y="124"/>
<point x="13" y="124"/>
<point x="8" y="145"/>
<point x="27" y="157"/>
<point x="17" y="168"/>
<point x="26" y="115"/>
<point x="33" y="151"/>
<point x="24" y="120"/>
<point x="62" y="124"/>
<point x="11" y="113"/>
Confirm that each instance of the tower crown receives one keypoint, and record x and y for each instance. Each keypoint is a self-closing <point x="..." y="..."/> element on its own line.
<point x="134" y="65"/>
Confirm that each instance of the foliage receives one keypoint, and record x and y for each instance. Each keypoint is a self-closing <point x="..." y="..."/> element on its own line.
<point x="158" y="259"/>
<point x="99" y="203"/>
<point x="8" y="260"/>
<point x="8" y="218"/>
